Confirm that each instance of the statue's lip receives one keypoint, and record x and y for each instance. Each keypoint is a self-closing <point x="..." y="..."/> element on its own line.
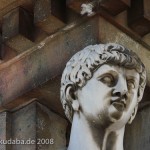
<point x="119" y="104"/>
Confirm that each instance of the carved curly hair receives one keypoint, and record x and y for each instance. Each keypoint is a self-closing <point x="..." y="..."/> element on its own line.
<point x="83" y="64"/>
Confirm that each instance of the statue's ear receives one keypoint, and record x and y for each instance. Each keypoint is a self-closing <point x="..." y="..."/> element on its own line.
<point x="69" y="93"/>
<point x="133" y="114"/>
<point x="71" y="97"/>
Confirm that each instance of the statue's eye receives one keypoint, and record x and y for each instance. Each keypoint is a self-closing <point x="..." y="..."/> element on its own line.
<point x="131" y="84"/>
<point x="107" y="79"/>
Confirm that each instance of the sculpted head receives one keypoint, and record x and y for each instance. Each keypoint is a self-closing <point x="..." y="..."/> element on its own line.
<point x="106" y="82"/>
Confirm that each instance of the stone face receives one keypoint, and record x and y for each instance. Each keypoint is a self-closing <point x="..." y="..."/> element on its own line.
<point x="98" y="96"/>
<point x="137" y="135"/>
<point x="36" y="122"/>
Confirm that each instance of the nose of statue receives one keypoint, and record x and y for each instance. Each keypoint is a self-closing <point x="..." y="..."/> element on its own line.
<point x="120" y="89"/>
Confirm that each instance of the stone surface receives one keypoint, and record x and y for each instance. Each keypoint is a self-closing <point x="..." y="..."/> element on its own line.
<point x="46" y="60"/>
<point x="9" y="5"/>
<point x="76" y="4"/>
<point x="51" y="12"/>
<point x="139" y="16"/>
<point x="17" y="21"/>
<point x="137" y="136"/>
<point x="19" y="44"/>
<point x="5" y="129"/>
<point x="50" y="25"/>
<point x="36" y="122"/>
<point x="48" y="94"/>
<point x="115" y="7"/>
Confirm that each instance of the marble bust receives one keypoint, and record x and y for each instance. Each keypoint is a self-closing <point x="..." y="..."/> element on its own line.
<point x="101" y="87"/>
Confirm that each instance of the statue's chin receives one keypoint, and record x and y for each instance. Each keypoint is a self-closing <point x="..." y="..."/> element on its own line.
<point x="115" y="112"/>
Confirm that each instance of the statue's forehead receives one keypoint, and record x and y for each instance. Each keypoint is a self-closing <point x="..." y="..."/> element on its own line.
<point x="109" y="68"/>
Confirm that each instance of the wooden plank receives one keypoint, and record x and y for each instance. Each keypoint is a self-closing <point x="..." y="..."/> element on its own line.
<point x="139" y="16"/>
<point x="46" y="60"/>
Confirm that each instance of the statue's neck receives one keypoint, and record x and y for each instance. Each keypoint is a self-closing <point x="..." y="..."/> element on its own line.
<point x="85" y="136"/>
